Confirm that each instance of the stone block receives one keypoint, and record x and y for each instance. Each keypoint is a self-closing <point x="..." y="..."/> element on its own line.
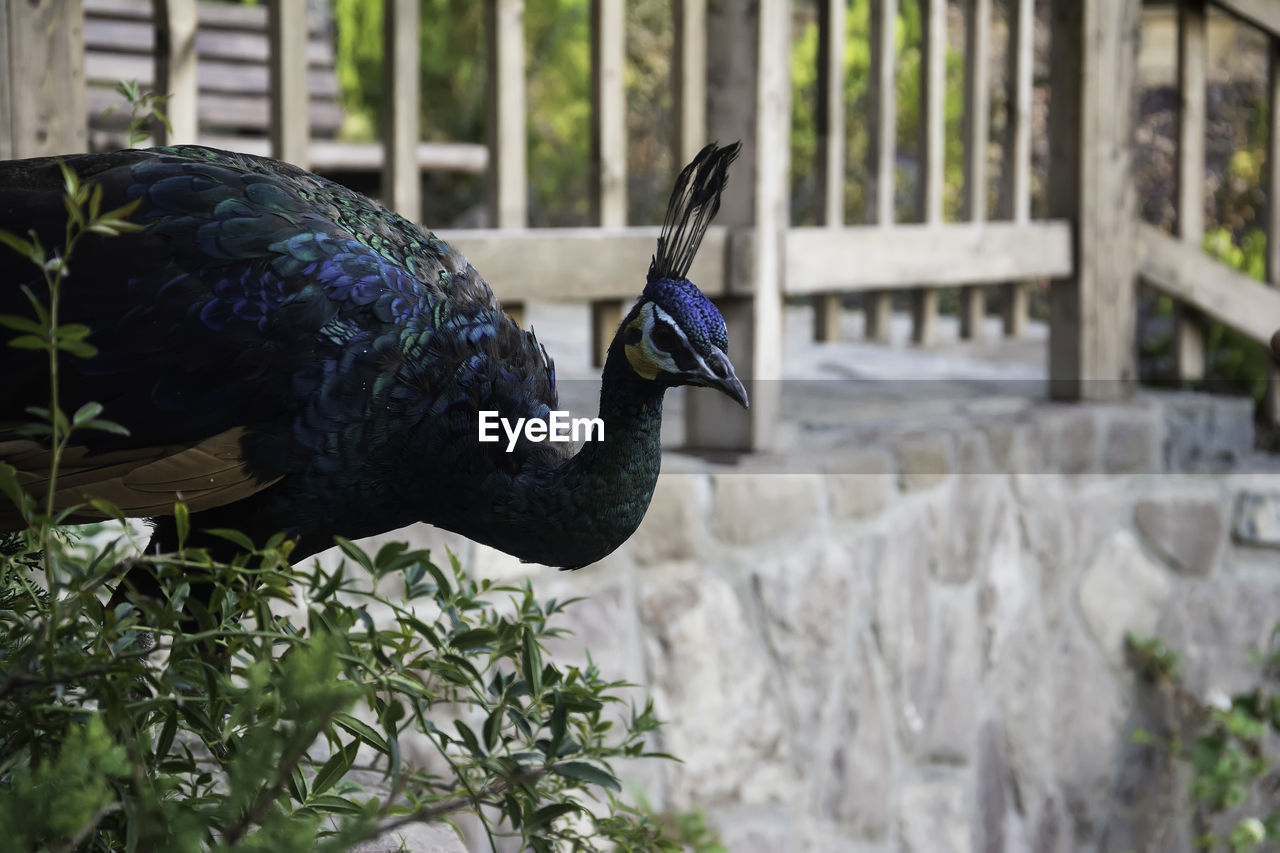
<point x="947" y="698"/>
<point x="710" y="673"/>
<point x="1013" y="448"/>
<point x="1256" y="519"/>
<point x="923" y="461"/>
<point x="859" y="484"/>
<point x="1069" y="439"/>
<point x="852" y="789"/>
<point x="992" y="772"/>
<point x="1187" y="531"/>
<point x="675" y="527"/>
<point x="980" y="511"/>
<point x="973" y="454"/>
<point x="1219" y="627"/>
<point x="415" y="838"/>
<point x="752" y="508"/>
<point x="1133" y="443"/>
<point x="933" y="814"/>
<point x="1122" y="591"/>
<point x="1086" y="729"/>
<point x="1204" y="433"/>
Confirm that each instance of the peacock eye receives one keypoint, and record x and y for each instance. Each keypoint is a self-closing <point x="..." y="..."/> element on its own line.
<point x="664" y="337"/>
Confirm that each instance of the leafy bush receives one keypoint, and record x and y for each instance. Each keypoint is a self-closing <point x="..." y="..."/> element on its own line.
<point x="1224" y="741"/>
<point x="274" y="713"/>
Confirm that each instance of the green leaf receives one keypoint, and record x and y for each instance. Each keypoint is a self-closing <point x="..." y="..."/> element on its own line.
<point x="106" y="426"/>
<point x="335" y="768"/>
<point x="70" y="181"/>
<point x="10" y="487"/>
<point x="584" y="772"/>
<point x="86" y="413"/>
<point x="531" y="662"/>
<point x="363" y="731"/>
<point x="469" y="738"/>
<point x="78" y="348"/>
<point x="475" y="638"/>
<point x="28" y="342"/>
<point x="559" y="723"/>
<point x="330" y="585"/>
<point x="13" y="241"/>
<point x="21" y="324"/>
<point x="492" y="729"/>
<point x="333" y="804"/>
<point x="108" y="509"/>
<point x="73" y="332"/>
<point x="182" y="521"/>
<point x="545" y="815"/>
<point x="167" y="734"/>
<point x="298" y="784"/>
<point x="351" y="550"/>
<point x="233" y="536"/>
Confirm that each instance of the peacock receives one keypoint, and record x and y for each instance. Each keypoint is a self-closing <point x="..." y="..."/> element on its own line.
<point x="288" y="355"/>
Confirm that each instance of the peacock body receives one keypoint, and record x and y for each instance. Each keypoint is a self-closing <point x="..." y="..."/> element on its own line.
<point x="288" y="355"/>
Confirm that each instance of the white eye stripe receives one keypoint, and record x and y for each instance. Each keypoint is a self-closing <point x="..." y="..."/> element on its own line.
<point x="660" y="356"/>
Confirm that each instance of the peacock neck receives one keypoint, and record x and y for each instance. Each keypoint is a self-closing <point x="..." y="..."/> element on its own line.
<point x="589" y="505"/>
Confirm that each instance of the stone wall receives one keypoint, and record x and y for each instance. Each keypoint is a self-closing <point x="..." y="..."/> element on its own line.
<point x="916" y="643"/>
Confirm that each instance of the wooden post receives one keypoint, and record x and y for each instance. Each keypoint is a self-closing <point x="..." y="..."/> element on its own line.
<point x="1015" y="177"/>
<point x="290" y="110"/>
<point x="175" y="70"/>
<point x="748" y="98"/>
<point x="882" y="116"/>
<point x="933" y="82"/>
<point x="1273" y="206"/>
<point x="829" y="118"/>
<point x="608" y="148"/>
<point x="1189" y="324"/>
<point x="977" y="106"/>
<point x="42" y="97"/>
<point x="507" y="117"/>
<point x="401" y="181"/>
<point x="1091" y="313"/>
<point x="689" y="78"/>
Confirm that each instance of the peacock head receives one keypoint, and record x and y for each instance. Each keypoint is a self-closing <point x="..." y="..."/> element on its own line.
<point x="675" y="335"/>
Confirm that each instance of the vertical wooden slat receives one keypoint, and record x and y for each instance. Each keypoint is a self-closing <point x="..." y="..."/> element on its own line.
<point x="290" y="112"/>
<point x="609" y="114"/>
<point x="44" y="105"/>
<point x="977" y="110"/>
<point x="1273" y="207"/>
<point x="829" y="118"/>
<point x="608" y="147"/>
<point x="401" y="181"/>
<point x="175" y="70"/>
<point x="8" y="80"/>
<point x="689" y="77"/>
<point x="507" y="112"/>
<point x="933" y="83"/>
<point x="1093" y="75"/>
<point x="1015" y="176"/>
<point x="882" y="113"/>
<point x="749" y="99"/>
<point x="507" y="120"/>
<point x="1189" y="325"/>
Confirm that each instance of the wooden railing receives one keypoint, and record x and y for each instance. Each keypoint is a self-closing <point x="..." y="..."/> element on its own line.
<point x="1176" y="265"/>
<point x="732" y="81"/>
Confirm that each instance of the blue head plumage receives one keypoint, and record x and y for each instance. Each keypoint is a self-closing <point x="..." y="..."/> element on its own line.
<point x="697" y="315"/>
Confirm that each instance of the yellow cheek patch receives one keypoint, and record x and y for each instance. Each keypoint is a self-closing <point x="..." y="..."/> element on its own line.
<point x="640" y="362"/>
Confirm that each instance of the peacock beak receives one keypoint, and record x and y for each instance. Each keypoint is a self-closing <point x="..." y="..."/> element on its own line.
<point x="723" y="378"/>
